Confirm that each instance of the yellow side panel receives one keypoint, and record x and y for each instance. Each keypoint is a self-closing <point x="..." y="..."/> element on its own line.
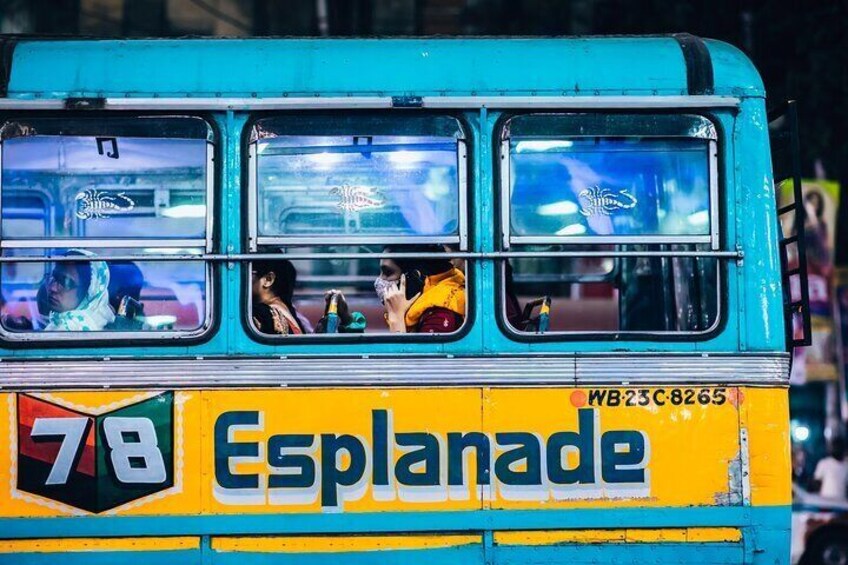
<point x="695" y="443"/>
<point x="344" y="412"/>
<point x="226" y="451"/>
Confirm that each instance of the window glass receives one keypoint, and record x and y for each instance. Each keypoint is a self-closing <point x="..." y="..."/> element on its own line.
<point x="102" y="294"/>
<point x="294" y="297"/>
<point x="609" y="187"/>
<point x="360" y="180"/>
<point x="609" y="177"/>
<point x="123" y="182"/>
<point x="613" y="294"/>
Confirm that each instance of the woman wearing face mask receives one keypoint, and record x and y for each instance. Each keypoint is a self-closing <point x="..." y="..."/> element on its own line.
<point x="435" y="290"/>
<point x="76" y="296"/>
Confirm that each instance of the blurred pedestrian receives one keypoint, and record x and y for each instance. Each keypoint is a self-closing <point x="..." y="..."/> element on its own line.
<point x="831" y="475"/>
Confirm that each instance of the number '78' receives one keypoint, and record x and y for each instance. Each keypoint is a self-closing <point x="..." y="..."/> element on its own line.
<point x="134" y="462"/>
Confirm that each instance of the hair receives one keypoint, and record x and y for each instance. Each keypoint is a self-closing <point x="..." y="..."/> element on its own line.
<point x="426" y="266"/>
<point x="818" y="204"/>
<point x="837" y="447"/>
<point x="285" y="278"/>
<point x="125" y="279"/>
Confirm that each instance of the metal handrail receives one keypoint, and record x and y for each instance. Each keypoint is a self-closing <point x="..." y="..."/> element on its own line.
<point x="471" y="256"/>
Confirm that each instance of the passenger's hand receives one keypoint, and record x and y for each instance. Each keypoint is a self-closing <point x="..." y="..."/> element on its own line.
<point x="341" y="304"/>
<point x="397" y="304"/>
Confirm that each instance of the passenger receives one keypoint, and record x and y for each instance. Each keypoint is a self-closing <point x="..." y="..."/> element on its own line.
<point x="274" y="312"/>
<point x="125" y="281"/>
<point x="421" y="295"/>
<point x="76" y="296"/>
<point x="457" y="262"/>
<point x="272" y="292"/>
<point x="514" y="315"/>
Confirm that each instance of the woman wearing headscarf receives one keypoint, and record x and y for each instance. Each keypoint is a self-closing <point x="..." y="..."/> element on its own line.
<point x="76" y="296"/>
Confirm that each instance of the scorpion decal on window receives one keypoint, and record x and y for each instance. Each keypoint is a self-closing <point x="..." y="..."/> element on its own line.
<point x="93" y="203"/>
<point x="356" y="198"/>
<point x="596" y="200"/>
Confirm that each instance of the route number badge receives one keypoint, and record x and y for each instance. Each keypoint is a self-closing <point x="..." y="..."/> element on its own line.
<point x="95" y="462"/>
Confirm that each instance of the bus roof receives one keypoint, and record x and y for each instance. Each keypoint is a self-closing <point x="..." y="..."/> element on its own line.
<point x="605" y="66"/>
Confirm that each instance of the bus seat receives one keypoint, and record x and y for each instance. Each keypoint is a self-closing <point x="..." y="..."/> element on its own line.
<point x="313" y="310"/>
<point x="539" y="323"/>
<point x="583" y="314"/>
<point x="159" y="301"/>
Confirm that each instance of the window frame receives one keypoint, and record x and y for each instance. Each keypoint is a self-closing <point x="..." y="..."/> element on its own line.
<point x="465" y="154"/>
<point x="713" y="240"/>
<point x="204" y="246"/>
<point x="505" y="182"/>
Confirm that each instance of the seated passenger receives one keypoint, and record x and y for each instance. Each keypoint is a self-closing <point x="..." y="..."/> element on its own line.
<point x="272" y="292"/>
<point x="273" y="310"/>
<point x="125" y="283"/>
<point x="421" y="295"/>
<point x="513" y="307"/>
<point x="76" y="296"/>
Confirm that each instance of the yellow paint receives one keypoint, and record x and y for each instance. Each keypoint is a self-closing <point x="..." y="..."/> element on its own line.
<point x="765" y="413"/>
<point x="559" y="537"/>
<point x="696" y="444"/>
<point x="707" y="535"/>
<point x="99" y="544"/>
<point x="437" y="411"/>
<point x="664" y="535"/>
<point x="692" y="442"/>
<point x="339" y="544"/>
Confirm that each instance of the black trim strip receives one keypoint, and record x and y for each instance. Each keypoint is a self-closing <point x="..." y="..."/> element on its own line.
<point x="699" y="65"/>
<point x="7" y="50"/>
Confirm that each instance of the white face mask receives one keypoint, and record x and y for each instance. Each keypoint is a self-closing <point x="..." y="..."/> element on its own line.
<point x="382" y="285"/>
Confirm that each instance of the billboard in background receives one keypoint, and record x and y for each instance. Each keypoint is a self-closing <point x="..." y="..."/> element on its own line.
<point x="821" y="201"/>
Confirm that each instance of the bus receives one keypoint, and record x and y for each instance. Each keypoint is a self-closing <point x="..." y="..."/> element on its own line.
<point x="394" y="301"/>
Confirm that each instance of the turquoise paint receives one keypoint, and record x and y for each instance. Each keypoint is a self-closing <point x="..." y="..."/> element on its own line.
<point x="772" y="517"/>
<point x="460" y="555"/>
<point x="566" y="554"/>
<point x="274" y="67"/>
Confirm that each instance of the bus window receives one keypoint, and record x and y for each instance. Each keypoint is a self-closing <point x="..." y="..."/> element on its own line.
<point x="353" y="187"/>
<point x="618" y="208"/>
<point x="81" y="192"/>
